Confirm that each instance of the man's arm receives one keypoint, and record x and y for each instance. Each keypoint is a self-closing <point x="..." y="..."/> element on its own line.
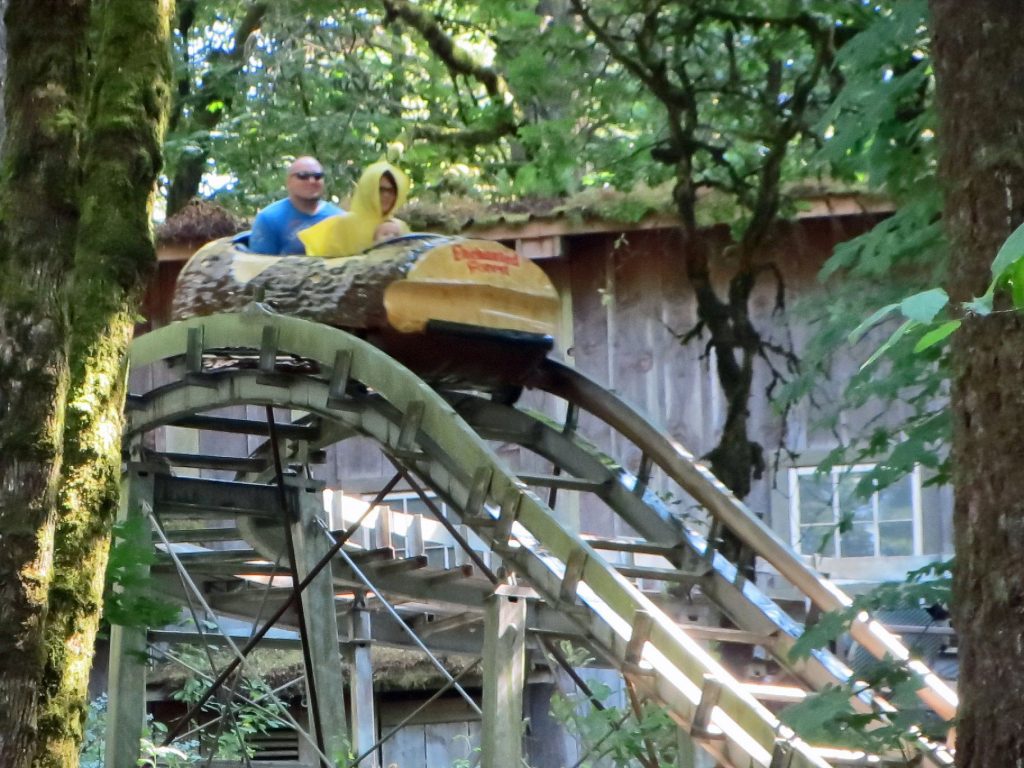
<point x="264" y="237"/>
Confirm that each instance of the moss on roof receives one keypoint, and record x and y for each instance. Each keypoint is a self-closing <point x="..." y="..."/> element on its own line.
<point x="452" y="213"/>
<point x="199" y="222"/>
<point x="394" y="669"/>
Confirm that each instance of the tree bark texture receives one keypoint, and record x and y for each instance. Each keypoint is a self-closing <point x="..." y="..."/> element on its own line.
<point x="980" y="89"/>
<point x="113" y="259"/>
<point x="38" y="216"/>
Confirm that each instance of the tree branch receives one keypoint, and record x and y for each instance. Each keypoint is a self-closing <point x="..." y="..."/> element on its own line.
<point x="505" y="118"/>
<point x="455" y="59"/>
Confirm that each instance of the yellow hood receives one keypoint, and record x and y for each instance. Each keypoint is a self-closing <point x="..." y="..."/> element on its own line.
<point x="352" y="232"/>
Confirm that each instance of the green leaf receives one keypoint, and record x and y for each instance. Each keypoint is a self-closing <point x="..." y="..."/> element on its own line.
<point x="898" y="334"/>
<point x="1011" y="251"/>
<point x="936" y="335"/>
<point x="924" y="306"/>
<point x="858" y="333"/>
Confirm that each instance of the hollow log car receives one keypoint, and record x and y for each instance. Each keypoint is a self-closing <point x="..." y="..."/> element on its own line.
<point x="453" y="309"/>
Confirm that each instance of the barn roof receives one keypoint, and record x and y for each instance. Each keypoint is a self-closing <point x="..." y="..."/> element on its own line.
<point x="591" y="211"/>
<point x="199" y="222"/>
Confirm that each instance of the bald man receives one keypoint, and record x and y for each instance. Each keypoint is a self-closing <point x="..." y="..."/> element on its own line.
<point x="275" y="229"/>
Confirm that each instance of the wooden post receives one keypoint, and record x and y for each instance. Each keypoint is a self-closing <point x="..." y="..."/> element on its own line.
<point x="311" y="544"/>
<point x="360" y="669"/>
<point x="504" y="678"/>
<point x="126" y="685"/>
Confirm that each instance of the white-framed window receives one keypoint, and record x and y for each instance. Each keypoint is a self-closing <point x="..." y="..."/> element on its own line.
<point x="829" y="519"/>
<point x="410" y="502"/>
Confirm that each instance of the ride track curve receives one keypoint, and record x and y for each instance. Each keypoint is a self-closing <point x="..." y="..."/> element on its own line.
<point x="344" y="386"/>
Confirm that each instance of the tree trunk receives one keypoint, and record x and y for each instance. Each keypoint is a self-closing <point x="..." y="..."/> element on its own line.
<point x="980" y="88"/>
<point x="38" y="215"/>
<point x="113" y="259"/>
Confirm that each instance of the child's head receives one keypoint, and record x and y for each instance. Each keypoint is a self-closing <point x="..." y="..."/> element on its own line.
<point x="387" y="230"/>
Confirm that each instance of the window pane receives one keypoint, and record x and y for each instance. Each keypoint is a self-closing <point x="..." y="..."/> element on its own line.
<point x="897" y="538"/>
<point x="897" y="501"/>
<point x="859" y="541"/>
<point x="818" y="540"/>
<point x="851" y="506"/>
<point x="416" y="506"/>
<point x="815" y="499"/>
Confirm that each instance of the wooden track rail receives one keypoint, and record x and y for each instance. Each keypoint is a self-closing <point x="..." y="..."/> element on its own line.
<point x="337" y="386"/>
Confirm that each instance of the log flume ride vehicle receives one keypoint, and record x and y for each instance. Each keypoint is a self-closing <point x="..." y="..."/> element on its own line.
<point x="420" y="345"/>
<point x="452" y="309"/>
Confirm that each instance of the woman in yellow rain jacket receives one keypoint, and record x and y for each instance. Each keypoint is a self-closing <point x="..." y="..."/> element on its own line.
<point x="381" y="190"/>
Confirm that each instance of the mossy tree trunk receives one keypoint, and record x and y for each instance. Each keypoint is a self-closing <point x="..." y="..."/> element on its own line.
<point x="979" y="66"/>
<point x="38" y="218"/>
<point x="113" y="259"/>
<point x="75" y="248"/>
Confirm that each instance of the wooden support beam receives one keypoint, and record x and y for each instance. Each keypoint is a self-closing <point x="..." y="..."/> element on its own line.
<point x="247" y="427"/>
<point x="478" y="489"/>
<point x="268" y="350"/>
<point x="219" y="463"/>
<point x="222" y="570"/>
<point x="504" y="679"/>
<point x="725" y="634"/>
<point x="447" y="624"/>
<point x="636" y="547"/>
<point x="126" y="708"/>
<point x="464" y="571"/>
<point x="700" y="728"/>
<point x="782" y="755"/>
<point x="360" y="665"/>
<point x="311" y="543"/>
<point x="195" y="346"/>
<point x="660" y="574"/>
<point x="571" y="579"/>
<point x="507" y="518"/>
<point x="643" y="475"/>
<point x="397" y="565"/>
<point x="213" y="498"/>
<point x="194" y="350"/>
<point x="565" y="482"/>
<point x="409" y="430"/>
<point x="371" y="555"/>
<point x="176" y="536"/>
<point x="337" y="389"/>
<point x="572" y="419"/>
<point x="213" y="556"/>
<point x="642" y="624"/>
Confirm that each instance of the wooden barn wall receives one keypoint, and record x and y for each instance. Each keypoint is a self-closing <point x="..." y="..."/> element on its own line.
<point x="626" y="303"/>
<point x="631" y="302"/>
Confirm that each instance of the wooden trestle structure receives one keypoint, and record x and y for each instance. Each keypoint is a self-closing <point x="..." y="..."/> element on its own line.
<point x="551" y="583"/>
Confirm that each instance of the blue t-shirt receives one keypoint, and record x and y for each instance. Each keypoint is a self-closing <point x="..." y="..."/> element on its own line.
<point x="275" y="229"/>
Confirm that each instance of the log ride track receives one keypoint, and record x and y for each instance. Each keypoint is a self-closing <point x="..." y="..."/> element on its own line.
<point x="260" y="546"/>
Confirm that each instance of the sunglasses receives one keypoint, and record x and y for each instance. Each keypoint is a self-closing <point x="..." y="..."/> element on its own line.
<point x="307" y="175"/>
